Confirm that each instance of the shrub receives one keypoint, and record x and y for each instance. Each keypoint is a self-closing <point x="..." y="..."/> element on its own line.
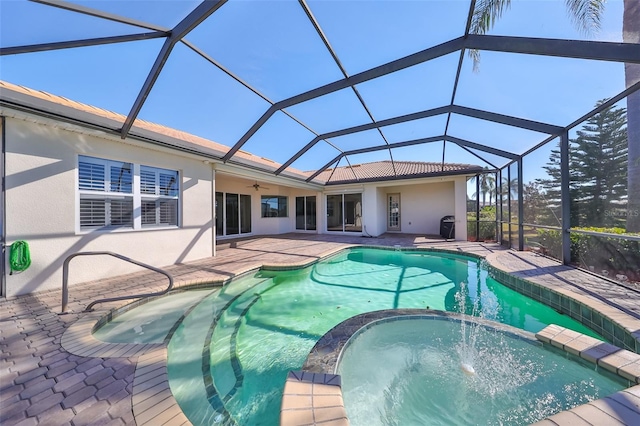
<point x="597" y="252"/>
<point x="487" y="224"/>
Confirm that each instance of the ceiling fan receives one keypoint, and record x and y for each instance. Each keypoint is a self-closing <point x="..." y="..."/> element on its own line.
<point x="257" y="186"/>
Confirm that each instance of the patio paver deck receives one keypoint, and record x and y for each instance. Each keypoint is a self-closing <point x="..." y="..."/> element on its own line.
<point x="45" y="379"/>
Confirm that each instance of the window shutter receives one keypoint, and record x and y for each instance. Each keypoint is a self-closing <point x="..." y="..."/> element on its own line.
<point x="106" y="190"/>
<point x="121" y="178"/>
<point x="147" y="181"/>
<point x="148" y="212"/>
<point x="91" y="176"/>
<point x="121" y="212"/>
<point x="169" y="184"/>
<point x="92" y="213"/>
<point x="168" y="212"/>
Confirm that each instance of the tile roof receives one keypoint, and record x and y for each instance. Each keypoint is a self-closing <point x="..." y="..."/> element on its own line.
<point x="384" y="170"/>
<point x="148" y="129"/>
<point x="367" y="172"/>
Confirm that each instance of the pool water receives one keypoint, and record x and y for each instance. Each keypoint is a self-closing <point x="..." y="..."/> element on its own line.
<point x="229" y="358"/>
<point x="419" y="379"/>
<point x="152" y="322"/>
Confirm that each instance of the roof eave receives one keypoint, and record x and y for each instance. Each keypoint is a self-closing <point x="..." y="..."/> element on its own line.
<point x="465" y="172"/>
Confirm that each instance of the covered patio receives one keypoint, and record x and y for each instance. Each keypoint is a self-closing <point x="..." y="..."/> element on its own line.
<point x="55" y="372"/>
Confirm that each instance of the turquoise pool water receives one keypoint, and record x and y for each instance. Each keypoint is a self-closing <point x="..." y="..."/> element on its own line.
<point x="229" y="358"/>
<point x="151" y="321"/>
<point x="419" y="377"/>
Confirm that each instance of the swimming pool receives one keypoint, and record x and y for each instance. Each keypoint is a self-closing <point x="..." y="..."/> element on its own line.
<point x="428" y="374"/>
<point x="229" y="358"/>
<point x="152" y="323"/>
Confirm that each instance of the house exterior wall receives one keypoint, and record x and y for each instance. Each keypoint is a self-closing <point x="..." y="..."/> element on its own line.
<point x="460" y="189"/>
<point x="381" y="207"/>
<point x="42" y="205"/>
<point x="421" y="206"/>
<point x="267" y="225"/>
<point x="423" y="202"/>
<point x="371" y="211"/>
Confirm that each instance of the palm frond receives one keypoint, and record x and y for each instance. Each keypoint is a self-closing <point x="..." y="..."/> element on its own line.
<point x="486" y="13"/>
<point x="484" y="17"/>
<point x="586" y="14"/>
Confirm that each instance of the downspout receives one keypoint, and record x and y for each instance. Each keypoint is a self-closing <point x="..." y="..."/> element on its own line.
<point x="214" y="212"/>
<point x="3" y="214"/>
<point x="477" y="207"/>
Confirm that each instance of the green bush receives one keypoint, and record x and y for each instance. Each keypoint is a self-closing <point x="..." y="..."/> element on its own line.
<point x="487" y="224"/>
<point x="597" y="252"/>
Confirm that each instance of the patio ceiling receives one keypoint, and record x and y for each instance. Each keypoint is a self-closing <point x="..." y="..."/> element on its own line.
<point x="310" y="83"/>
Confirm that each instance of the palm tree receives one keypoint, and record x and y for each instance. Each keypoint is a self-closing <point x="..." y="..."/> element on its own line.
<point x="490" y="185"/>
<point x="586" y="16"/>
<point x="487" y="186"/>
<point x="510" y="188"/>
<point x="487" y="183"/>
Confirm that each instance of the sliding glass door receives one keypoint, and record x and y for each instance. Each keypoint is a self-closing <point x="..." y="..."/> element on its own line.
<point x="219" y="213"/>
<point x="334" y="213"/>
<point x="344" y="213"/>
<point x="306" y="213"/>
<point x="245" y="214"/>
<point x="233" y="214"/>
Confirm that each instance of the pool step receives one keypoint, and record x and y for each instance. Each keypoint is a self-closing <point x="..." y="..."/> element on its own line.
<point x="620" y="408"/>
<point x="312" y="399"/>
<point x="618" y="361"/>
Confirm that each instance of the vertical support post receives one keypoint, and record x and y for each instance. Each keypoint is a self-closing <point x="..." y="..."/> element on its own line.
<point x="520" y="207"/>
<point x="65" y="283"/>
<point x="214" y="211"/>
<point x="499" y="215"/>
<point x="478" y="207"/>
<point x="3" y="213"/>
<point x="565" y="197"/>
<point x="509" y="202"/>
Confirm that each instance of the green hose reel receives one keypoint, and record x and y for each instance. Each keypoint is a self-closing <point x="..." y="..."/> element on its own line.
<point x="19" y="256"/>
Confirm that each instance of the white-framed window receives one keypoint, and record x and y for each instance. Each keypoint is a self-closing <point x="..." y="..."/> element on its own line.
<point x="159" y="197"/>
<point x="121" y="195"/>
<point x="274" y="206"/>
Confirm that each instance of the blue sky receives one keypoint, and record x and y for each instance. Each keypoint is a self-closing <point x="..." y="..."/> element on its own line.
<point x="273" y="47"/>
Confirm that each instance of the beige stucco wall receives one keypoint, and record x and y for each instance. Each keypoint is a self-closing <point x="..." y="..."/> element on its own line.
<point x="270" y="225"/>
<point x="423" y="202"/>
<point x="41" y="205"/>
<point x="460" y="183"/>
<point x="421" y="206"/>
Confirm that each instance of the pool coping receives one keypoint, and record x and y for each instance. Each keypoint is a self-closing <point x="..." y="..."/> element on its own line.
<point x="78" y="340"/>
<point x="325" y="356"/>
<point x="299" y="397"/>
<point x="153" y="402"/>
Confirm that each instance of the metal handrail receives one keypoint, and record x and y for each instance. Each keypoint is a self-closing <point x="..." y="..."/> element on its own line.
<point x="65" y="279"/>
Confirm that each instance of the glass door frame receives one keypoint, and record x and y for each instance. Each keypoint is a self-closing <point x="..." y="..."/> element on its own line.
<point x="358" y="215"/>
<point x="390" y="207"/>
<point x="242" y="224"/>
<point x="306" y="215"/>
